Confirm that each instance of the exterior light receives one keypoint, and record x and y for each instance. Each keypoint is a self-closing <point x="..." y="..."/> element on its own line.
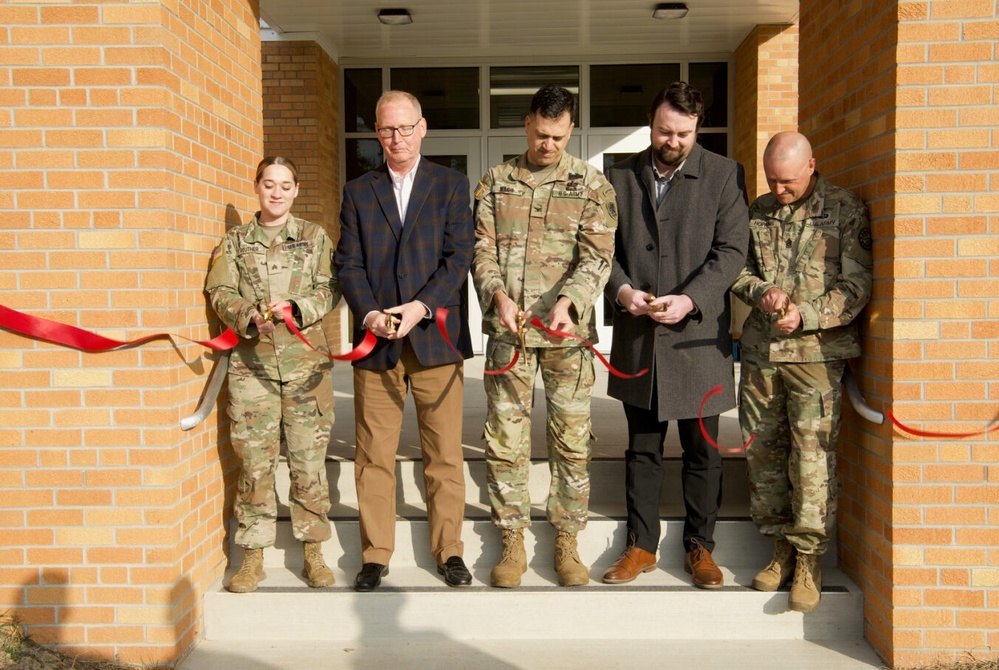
<point x="395" y="17"/>
<point x="670" y="10"/>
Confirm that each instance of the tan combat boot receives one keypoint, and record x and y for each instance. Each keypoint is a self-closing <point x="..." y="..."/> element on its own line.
<point x="780" y="569"/>
<point x="316" y="572"/>
<point x="513" y="562"/>
<point x="250" y="573"/>
<point x="570" y="570"/>
<point x="806" y="591"/>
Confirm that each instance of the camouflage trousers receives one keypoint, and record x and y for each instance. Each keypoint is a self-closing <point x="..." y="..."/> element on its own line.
<point x="793" y="409"/>
<point x="567" y="374"/>
<point x="261" y="409"/>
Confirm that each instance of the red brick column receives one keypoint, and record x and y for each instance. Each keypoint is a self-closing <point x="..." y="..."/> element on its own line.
<point x="766" y="96"/>
<point x="897" y="98"/>
<point x="128" y="135"/>
<point x="301" y="121"/>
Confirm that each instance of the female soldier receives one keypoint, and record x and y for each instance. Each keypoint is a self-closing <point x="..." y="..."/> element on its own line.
<point x="276" y="383"/>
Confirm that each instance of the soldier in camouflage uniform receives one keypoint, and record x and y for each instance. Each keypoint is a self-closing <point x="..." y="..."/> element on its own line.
<point x="807" y="277"/>
<point x="276" y="383"/>
<point x="545" y="226"/>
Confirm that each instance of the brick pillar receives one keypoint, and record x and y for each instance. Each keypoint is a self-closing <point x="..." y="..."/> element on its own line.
<point x="897" y="98"/>
<point x="766" y="96"/>
<point x="766" y="102"/>
<point x="301" y="122"/>
<point x="128" y="135"/>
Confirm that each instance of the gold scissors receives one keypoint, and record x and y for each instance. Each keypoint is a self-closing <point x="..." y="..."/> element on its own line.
<point x="522" y="333"/>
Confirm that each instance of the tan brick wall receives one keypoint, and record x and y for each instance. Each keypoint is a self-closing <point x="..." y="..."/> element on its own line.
<point x="301" y="122"/>
<point x="766" y="96"/>
<point x="128" y="135"/>
<point x="897" y="100"/>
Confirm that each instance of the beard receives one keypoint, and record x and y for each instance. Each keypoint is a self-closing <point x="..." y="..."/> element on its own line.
<point x="671" y="157"/>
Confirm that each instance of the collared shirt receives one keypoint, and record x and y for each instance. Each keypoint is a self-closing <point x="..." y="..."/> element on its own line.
<point x="663" y="182"/>
<point x="402" y="186"/>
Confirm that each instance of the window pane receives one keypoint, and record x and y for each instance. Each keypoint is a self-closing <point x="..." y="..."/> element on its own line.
<point x="711" y="79"/>
<point x="621" y="94"/>
<point x="457" y="162"/>
<point x="449" y="95"/>
<point x="717" y="142"/>
<point x="511" y="90"/>
<point x="361" y="89"/>
<point x="361" y="156"/>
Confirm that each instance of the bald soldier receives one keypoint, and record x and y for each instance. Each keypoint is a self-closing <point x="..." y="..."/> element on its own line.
<point x="807" y="277"/>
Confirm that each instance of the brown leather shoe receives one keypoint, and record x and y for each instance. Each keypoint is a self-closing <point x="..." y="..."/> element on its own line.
<point x="632" y="562"/>
<point x="699" y="563"/>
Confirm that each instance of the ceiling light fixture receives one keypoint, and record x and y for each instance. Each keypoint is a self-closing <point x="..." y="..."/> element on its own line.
<point x="670" y="10"/>
<point x="395" y="17"/>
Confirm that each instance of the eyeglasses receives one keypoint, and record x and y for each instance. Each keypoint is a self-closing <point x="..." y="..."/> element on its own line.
<point x="386" y="132"/>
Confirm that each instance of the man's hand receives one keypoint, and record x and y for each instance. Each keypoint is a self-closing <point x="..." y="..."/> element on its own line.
<point x="774" y="300"/>
<point x="264" y="325"/>
<point x="633" y="300"/>
<point x="510" y="316"/>
<point x="559" y="318"/>
<point x="670" y="309"/>
<point x="408" y="314"/>
<point x="790" y="321"/>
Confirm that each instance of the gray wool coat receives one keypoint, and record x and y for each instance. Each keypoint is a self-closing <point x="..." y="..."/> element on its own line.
<point x="694" y="243"/>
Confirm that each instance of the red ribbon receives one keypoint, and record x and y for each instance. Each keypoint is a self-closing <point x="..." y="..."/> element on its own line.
<point x="77" y="338"/>
<point x="360" y="351"/>
<point x="441" y="318"/>
<point x="700" y="420"/>
<point x="536" y="322"/>
<point x="993" y="425"/>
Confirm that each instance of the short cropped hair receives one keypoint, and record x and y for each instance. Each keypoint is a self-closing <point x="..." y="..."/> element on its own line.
<point x="552" y="102"/>
<point x="682" y="97"/>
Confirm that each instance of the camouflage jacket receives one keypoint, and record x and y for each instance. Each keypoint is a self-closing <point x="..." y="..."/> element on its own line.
<point x="819" y="253"/>
<point x="537" y="242"/>
<point x="248" y="271"/>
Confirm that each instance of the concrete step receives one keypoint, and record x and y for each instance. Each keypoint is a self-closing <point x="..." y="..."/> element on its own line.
<point x="607" y="495"/>
<point x="404" y="652"/>
<point x="414" y="603"/>
<point x="738" y="544"/>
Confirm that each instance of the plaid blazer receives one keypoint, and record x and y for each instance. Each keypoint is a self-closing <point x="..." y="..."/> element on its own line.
<point x="383" y="262"/>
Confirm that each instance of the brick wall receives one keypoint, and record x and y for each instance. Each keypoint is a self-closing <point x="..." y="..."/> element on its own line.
<point x="128" y="135"/>
<point x="766" y="102"/>
<point x="897" y="100"/>
<point x="301" y="122"/>
<point x="766" y="96"/>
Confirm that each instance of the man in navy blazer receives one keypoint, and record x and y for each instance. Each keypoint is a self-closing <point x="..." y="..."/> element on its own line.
<point x="406" y="238"/>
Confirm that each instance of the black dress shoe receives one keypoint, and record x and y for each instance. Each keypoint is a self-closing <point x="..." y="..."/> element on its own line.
<point x="370" y="576"/>
<point x="455" y="573"/>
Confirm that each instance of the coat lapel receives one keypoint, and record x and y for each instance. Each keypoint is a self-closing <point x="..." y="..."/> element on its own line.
<point x="384" y="194"/>
<point x="421" y="187"/>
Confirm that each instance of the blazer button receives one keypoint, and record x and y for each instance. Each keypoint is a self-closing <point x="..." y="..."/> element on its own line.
<point x="650" y="246"/>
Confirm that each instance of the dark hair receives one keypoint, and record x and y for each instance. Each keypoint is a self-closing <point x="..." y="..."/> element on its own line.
<point x="682" y="97"/>
<point x="275" y="160"/>
<point x="552" y="102"/>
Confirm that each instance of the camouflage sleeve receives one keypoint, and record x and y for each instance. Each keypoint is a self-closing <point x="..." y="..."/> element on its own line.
<point x="312" y="306"/>
<point x="843" y="301"/>
<point x="750" y="286"/>
<point x="595" y="242"/>
<point x="486" y="274"/>
<point x="222" y="285"/>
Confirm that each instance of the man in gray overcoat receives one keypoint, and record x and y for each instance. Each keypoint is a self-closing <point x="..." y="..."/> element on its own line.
<point x="682" y="237"/>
